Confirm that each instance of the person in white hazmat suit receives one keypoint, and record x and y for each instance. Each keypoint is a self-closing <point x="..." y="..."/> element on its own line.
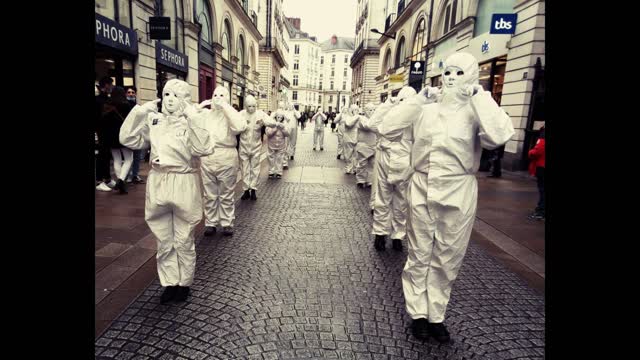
<point x="293" y="115"/>
<point x="173" y="204"/>
<point x="282" y="107"/>
<point x="365" y="148"/>
<point x="220" y="170"/>
<point x="442" y="192"/>
<point x="250" y="146"/>
<point x="318" y="131"/>
<point x="350" y="137"/>
<point x="392" y="175"/>
<point x="277" y="132"/>
<point x="340" y="132"/>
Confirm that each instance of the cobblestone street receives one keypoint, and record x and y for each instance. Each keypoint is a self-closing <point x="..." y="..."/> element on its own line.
<point x="300" y="279"/>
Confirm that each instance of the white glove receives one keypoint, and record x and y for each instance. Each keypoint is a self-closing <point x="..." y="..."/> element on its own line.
<point x="471" y="90"/>
<point x="190" y="110"/>
<point x="151" y="106"/>
<point x="204" y="104"/>
<point x="217" y="103"/>
<point x="429" y="92"/>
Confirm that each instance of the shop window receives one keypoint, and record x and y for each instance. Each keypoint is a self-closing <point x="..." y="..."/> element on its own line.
<point x="400" y="53"/>
<point x="419" y="41"/>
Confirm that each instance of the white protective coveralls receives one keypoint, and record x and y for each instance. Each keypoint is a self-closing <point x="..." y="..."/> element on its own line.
<point x="340" y="132"/>
<point x="251" y="143"/>
<point x="350" y="137"/>
<point x="220" y="170"/>
<point x="173" y="202"/>
<point x="392" y="171"/>
<point x="318" y="130"/>
<point x="277" y="132"/>
<point x="293" y="115"/>
<point x="365" y="148"/>
<point x="442" y="193"/>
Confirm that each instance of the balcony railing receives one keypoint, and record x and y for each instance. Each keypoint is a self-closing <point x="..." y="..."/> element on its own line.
<point x="390" y="19"/>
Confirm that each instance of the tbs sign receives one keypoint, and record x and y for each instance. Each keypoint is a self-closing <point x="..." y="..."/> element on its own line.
<point x="503" y="23"/>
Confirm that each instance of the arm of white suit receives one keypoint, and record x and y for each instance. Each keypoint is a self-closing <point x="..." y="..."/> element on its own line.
<point x="285" y="130"/>
<point x="200" y="140"/>
<point x="134" y="132"/>
<point x="376" y="118"/>
<point x="235" y="122"/>
<point x="495" y="125"/>
<point x="350" y="121"/>
<point x="403" y="116"/>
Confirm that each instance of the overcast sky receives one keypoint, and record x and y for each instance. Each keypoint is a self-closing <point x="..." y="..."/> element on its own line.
<point x="323" y="18"/>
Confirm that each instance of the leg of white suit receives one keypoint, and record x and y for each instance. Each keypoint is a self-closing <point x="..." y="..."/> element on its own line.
<point x="399" y="211"/>
<point x="383" y="197"/>
<point x="340" y="145"/>
<point x="250" y="170"/>
<point x="438" y="239"/>
<point x="349" y="150"/>
<point x="173" y="209"/>
<point x="219" y="179"/>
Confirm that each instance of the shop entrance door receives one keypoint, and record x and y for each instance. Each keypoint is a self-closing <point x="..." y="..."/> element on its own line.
<point x="206" y="82"/>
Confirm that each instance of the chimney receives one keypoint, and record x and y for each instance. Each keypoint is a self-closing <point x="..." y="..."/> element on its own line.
<point x="295" y="22"/>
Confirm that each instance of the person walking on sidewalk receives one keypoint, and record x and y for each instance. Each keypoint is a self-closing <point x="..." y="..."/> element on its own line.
<point x="103" y="164"/>
<point x="250" y="146"/>
<point x="114" y="112"/>
<point x="392" y="175"/>
<point x="318" y="130"/>
<point x="220" y="170"/>
<point x="443" y="190"/>
<point x="173" y="205"/>
<point x="536" y="167"/>
<point x="350" y="137"/>
<point x="138" y="155"/>
<point x="277" y="132"/>
<point x="496" y="162"/>
<point x="365" y="148"/>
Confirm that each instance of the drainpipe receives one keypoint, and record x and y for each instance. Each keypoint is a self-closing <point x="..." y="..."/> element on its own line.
<point x="426" y="57"/>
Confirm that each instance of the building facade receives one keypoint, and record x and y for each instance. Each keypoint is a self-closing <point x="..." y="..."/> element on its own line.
<point x="304" y="64"/>
<point x="370" y="14"/>
<point x="273" y="53"/>
<point x="334" y="82"/>
<point x="511" y="65"/>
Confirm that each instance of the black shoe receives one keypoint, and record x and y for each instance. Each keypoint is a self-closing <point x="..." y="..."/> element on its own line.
<point x="122" y="186"/>
<point x="397" y="244"/>
<point x="321" y="149"/>
<point x="338" y="157"/>
<point x="372" y="212"/>
<point x="360" y="185"/>
<point x="253" y="194"/>
<point x="284" y="168"/>
<point x="210" y="231"/>
<point x="169" y="294"/>
<point x="420" y="329"/>
<point x="439" y="332"/>
<point x="246" y="195"/>
<point x="379" y="243"/>
<point x="227" y="231"/>
<point x="291" y="157"/>
<point x="182" y="293"/>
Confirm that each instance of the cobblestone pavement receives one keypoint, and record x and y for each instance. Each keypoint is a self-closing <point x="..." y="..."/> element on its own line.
<point x="300" y="279"/>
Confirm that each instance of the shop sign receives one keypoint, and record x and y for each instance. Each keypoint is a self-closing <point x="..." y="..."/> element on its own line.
<point x="171" y="58"/>
<point x="112" y="34"/>
<point x="160" y="28"/>
<point x="503" y="23"/>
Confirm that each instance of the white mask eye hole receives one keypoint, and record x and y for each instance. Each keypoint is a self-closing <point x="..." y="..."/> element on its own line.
<point x="166" y="94"/>
<point x="447" y="73"/>
<point x="460" y="73"/>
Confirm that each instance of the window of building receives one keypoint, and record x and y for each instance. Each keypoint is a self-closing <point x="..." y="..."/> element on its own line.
<point x="295" y="80"/>
<point x="296" y="65"/>
<point x="204" y="18"/>
<point x="344" y="85"/>
<point x="297" y="49"/>
<point x="400" y="53"/>
<point x="241" y="59"/>
<point x="333" y="59"/>
<point x="345" y="73"/>
<point x="321" y="59"/>
<point x="319" y="99"/>
<point x="295" y="95"/>
<point x="331" y="85"/>
<point x="330" y="99"/>
<point x="226" y="41"/>
<point x="333" y="72"/>
<point x="450" y="13"/>
<point x="320" y="85"/>
<point x="419" y="41"/>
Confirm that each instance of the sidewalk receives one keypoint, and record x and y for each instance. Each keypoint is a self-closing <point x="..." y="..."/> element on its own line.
<point x="504" y="230"/>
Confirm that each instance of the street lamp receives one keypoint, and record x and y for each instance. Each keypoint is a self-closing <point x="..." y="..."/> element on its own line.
<point x="383" y="34"/>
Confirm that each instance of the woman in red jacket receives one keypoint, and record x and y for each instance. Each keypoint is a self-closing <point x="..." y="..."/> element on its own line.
<point x="536" y="167"/>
